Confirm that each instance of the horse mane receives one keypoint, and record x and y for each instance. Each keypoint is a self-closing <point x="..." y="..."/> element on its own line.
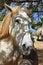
<point x="4" y="28"/>
<point x="4" y="32"/>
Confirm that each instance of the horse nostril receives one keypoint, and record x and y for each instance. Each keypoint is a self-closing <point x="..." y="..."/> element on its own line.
<point x="24" y="45"/>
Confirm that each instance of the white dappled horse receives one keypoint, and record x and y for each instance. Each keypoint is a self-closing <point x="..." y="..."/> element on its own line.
<point x="15" y="32"/>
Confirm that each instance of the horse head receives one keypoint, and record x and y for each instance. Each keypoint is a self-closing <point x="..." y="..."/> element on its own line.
<point x="16" y="25"/>
<point x="19" y="28"/>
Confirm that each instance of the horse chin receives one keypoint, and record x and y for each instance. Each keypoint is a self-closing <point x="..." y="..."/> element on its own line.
<point x="26" y="52"/>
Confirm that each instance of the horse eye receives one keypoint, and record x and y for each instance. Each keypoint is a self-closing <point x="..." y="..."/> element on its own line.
<point x="17" y="20"/>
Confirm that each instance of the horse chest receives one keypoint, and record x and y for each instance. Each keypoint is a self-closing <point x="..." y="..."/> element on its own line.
<point x="6" y="50"/>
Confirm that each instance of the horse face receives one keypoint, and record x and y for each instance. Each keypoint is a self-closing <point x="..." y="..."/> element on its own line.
<point x="18" y="29"/>
<point x="19" y="22"/>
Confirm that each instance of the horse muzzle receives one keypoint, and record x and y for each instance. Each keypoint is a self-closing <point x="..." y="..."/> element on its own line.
<point x="26" y="50"/>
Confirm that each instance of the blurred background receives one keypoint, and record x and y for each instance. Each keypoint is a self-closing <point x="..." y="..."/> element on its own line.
<point x="35" y="8"/>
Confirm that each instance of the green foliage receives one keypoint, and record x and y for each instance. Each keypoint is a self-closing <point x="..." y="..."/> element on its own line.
<point x="42" y="20"/>
<point x="34" y="8"/>
<point x="41" y="5"/>
<point x="36" y="25"/>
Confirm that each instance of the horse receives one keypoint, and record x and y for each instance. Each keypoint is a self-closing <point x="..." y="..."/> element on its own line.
<point x="15" y="38"/>
<point x="19" y="28"/>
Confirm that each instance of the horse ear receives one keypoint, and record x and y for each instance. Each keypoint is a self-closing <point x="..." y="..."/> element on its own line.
<point x="14" y="10"/>
<point x="8" y="7"/>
